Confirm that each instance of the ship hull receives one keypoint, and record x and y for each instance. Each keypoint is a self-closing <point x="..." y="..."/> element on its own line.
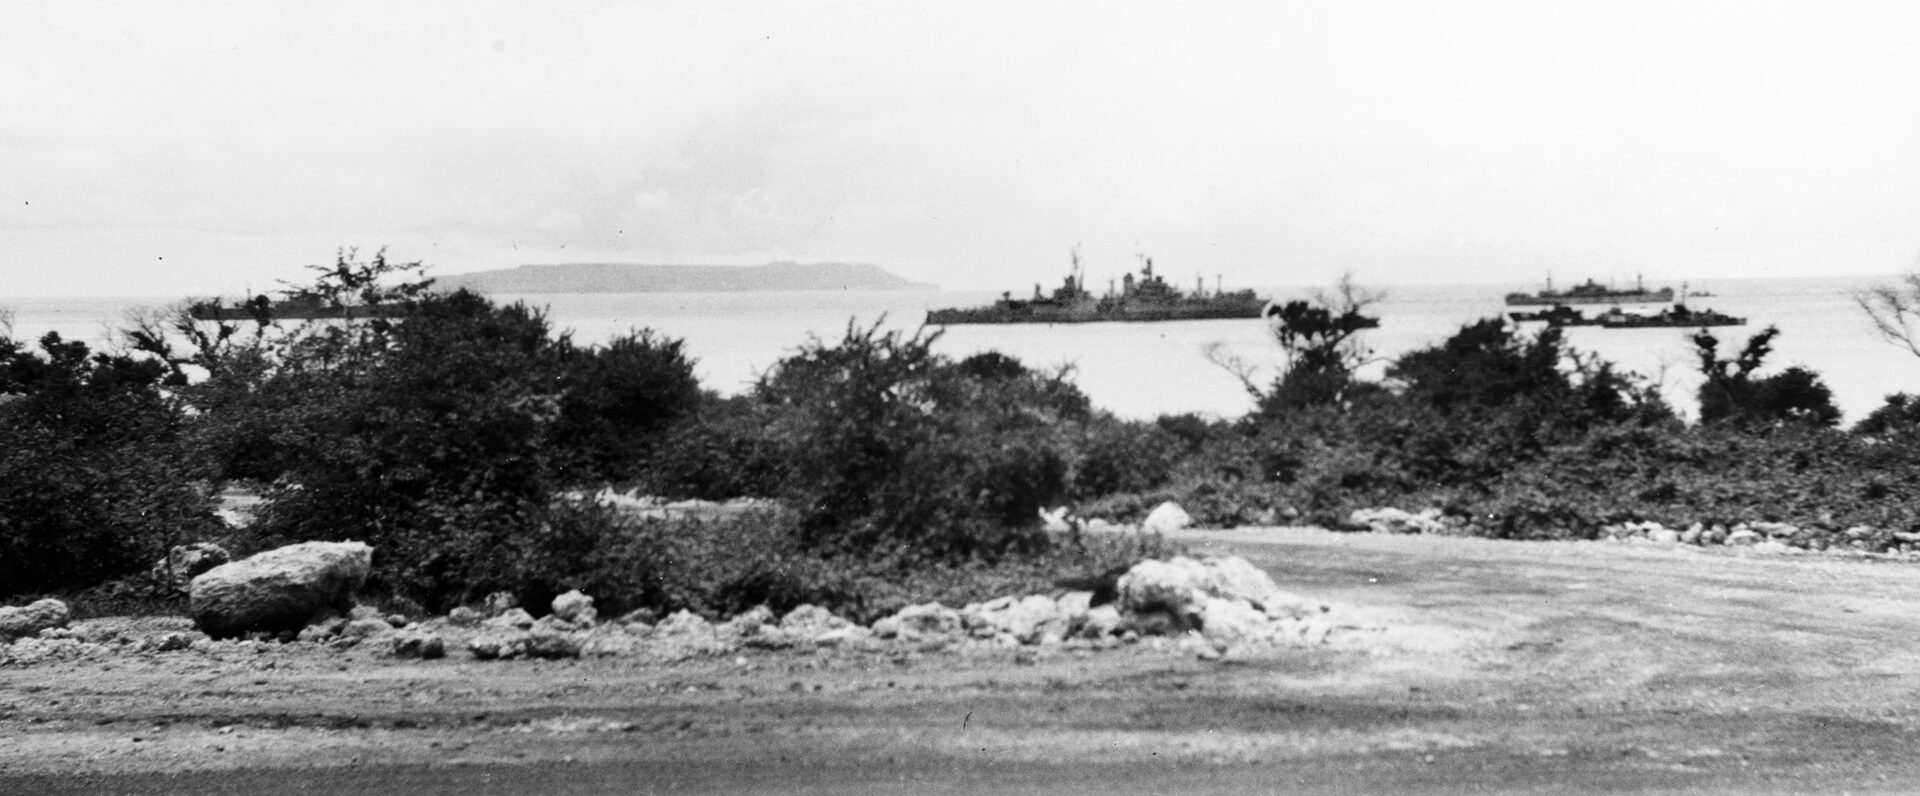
<point x="245" y="313"/>
<point x="1093" y="314"/>
<point x="1695" y="322"/>
<point x="1660" y="296"/>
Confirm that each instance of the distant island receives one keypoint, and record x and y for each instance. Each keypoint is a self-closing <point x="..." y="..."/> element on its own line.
<point x="633" y="278"/>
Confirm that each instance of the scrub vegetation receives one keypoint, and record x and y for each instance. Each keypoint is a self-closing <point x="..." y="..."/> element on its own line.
<point x="465" y="440"/>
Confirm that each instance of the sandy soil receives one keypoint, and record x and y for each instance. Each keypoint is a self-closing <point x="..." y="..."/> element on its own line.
<point x="1462" y="666"/>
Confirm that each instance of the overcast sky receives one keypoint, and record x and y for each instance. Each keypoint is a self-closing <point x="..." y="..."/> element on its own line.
<point x="152" y="148"/>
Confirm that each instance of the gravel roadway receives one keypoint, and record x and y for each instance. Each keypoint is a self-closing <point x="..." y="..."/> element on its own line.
<point x="1461" y="665"/>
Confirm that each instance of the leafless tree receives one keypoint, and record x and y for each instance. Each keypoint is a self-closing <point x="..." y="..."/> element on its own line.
<point x="1248" y="373"/>
<point x="1895" y="311"/>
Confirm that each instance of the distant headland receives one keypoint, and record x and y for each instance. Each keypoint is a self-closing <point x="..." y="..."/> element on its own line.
<point x="634" y="278"/>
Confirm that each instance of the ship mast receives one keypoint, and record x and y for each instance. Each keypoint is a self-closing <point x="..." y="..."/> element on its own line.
<point x="1079" y="278"/>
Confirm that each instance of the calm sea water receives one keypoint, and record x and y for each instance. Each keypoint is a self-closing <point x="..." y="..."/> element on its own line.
<point x="1142" y="370"/>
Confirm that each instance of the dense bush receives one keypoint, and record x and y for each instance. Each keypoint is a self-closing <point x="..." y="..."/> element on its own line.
<point x="721" y="450"/>
<point x="93" y="481"/>
<point x="1320" y="339"/>
<point x="1488" y="365"/>
<point x="618" y="400"/>
<point x="1522" y="437"/>
<point x="452" y="434"/>
<point x="439" y="436"/>
<point x="1901" y="412"/>
<point x="898" y="451"/>
<point x="1110" y="455"/>
<point x="1733" y="394"/>
<point x="427" y="439"/>
<point x="1459" y="418"/>
<point x="1810" y="476"/>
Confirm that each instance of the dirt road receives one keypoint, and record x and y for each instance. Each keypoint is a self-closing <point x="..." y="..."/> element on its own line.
<point x="1465" y="666"/>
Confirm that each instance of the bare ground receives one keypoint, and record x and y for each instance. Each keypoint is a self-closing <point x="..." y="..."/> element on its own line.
<point x="1463" y="666"/>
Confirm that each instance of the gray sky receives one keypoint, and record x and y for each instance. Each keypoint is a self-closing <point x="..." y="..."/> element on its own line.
<point x="174" y="148"/>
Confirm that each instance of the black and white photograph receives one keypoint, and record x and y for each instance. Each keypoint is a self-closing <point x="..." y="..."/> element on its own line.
<point x="863" y="397"/>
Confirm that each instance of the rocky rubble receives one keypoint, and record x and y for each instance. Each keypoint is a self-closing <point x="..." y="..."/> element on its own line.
<point x="1212" y="606"/>
<point x="1392" y="520"/>
<point x="32" y="618"/>
<point x="1758" y="536"/>
<point x="101" y="638"/>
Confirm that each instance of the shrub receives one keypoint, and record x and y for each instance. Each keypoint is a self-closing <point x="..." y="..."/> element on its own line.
<point x="93" y="481"/>
<point x="1111" y="456"/>
<point x="1320" y="338"/>
<point x="1733" y="394"/>
<point x="1901" y="412"/>
<point x="1487" y="365"/>
<point x="1465" y="415"/>
<point x="718" y="452"/>
<point x="439" y="436"/>
<point x="618" y="400"/>
<point x="897" y="449"/>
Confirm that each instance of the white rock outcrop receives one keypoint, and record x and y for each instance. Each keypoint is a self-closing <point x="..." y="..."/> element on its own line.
<point x="1033" y="619"/>
<point x="575" y="608"/>
<point x="1231" y="623"/>
<point x="18" y="621"/>
<point x="1175" y="586"/>
<point x="1228" y="600"/>
<point x="281" y="590"/>
<point x="1392" y="520"/>
<point x="1165" y="517"/>
<point x="923" y="622"/>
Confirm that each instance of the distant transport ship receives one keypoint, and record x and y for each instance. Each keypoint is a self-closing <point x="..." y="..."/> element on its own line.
<point x="1147" y="298"/>
<point x="1590" y="292"/>
<point x="295" y="307"/>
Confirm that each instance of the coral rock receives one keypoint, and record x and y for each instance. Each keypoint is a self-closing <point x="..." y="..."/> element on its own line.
<point x="29" y="620"/>
<point x="810" y="621"/>
<point x="1035" y="619"/>
<point x="576" y="608"/>
<point x="279" y="590"/>
<point x="1392" y="520"/>
<point x="1235" y="578"/>
<point x="1100" y="622"/>
<point x="501" y="602"/>
<point x="920" y="622"/>
<point x="1165" y="517"/>
<point x="1177" y="586"/>
<point x="417" y="644"/>
<point x="1232" y="623"/>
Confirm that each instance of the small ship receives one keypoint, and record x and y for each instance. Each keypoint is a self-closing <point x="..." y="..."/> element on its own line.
<point x="1677" y="316"/>
<point x="1556" y="315"/>
<point x="294" y="307"/>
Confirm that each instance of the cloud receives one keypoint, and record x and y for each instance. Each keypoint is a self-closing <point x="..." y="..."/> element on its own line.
<point x="1271" y="142"/>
